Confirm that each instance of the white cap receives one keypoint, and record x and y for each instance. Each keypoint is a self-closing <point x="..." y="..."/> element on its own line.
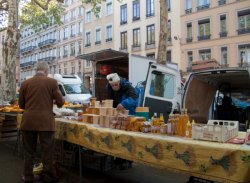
<point x="113" y="78"/>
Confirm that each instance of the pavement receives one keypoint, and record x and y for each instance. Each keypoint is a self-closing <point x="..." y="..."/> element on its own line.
<point x="11" y="166"/>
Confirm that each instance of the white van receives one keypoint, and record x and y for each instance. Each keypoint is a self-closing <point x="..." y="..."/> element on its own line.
<point x="72" y="88"/>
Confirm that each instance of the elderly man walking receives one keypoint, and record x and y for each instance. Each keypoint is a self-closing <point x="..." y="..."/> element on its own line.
<point x="37" y="96"/>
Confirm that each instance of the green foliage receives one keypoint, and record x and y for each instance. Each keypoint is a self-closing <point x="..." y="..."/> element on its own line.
<point x="34" y="16"/>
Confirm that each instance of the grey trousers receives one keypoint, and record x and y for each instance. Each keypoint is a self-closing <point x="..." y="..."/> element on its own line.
<point x="47" y="141"/>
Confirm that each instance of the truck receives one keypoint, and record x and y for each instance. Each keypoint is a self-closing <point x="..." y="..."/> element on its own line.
<point x="139" y="70"/>
<point x="72" y="88"/>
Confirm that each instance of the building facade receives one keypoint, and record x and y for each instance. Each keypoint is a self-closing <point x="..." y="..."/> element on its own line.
<point x="216" y="30"/>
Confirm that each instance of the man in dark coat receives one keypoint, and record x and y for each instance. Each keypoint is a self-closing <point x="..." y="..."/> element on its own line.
<point x="122" y="92"/>
<point x="37" y="96"/>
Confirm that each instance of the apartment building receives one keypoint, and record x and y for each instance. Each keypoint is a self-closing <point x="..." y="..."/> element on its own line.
<point x="216" y="30"/>
<point x="139" y="28"/>
<point x="58" y="45"/>
<point x="37" y="46"/>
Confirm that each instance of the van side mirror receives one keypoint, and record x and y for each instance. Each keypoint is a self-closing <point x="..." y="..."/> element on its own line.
<point x="61" y="90"/>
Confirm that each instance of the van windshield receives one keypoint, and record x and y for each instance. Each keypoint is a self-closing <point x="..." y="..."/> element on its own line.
<point x="75" y="89"/>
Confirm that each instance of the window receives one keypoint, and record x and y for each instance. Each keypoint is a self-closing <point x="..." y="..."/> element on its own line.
<point x="73" y="14"/>
<point x="168" y="83"/>
<point x="136" y="37"/>
<point x="151" y="34"/>
<point x="150" y="8"/>
<point x="73" y="30"/>
<point x="124" y="40"/>
<point x="169" y="56"/>
<point x="65" y="51"/>
<point x="65" y="18"/>
<point x="59" y="70"/>
<point x="203" y="4"/>
<point x="72" y="49"/>
<point x="223" y="26"/>
<point x="99" y="13"/>
<point x="188" y="6"/>
<point x="244" y="21"/>
<point x="109" y="33"/>
<point x="169" y="31"/>
<point x="72" y="68"/>
<point x="221" y="2"/>
<point x="124" y="16"/>
<point x="189" y="33"/>
<point x="65" y="68"/>
<point x="87" y="39"/>
<point x="204" y="29"/>
<point x="87" y="64"/>
<point x="65" y="33"/>
<point x="98" y="36"/>
<point x="58" y="52"/>
<point x="109" y="9"/>
<point x="79" y="66"/>
<point x="80" y="11"/>
<point x="224" y="57"/>
<point x="136" y="10"/>
<point x="88" y="16"/>
<point x="205" y="54"/>
<point x="244" y="54"/>
<point x="80" y="27"/>
<point x="169" y="5"/>
<point x="190" y="59"/>
<point x="79" y="47"/>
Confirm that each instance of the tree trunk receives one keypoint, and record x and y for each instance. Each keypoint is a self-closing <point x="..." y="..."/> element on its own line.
<point x="9" y="52"/>
<point x="162" y="46"/>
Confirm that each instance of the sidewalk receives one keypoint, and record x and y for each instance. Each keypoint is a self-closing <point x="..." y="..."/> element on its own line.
<point x="11" y="168"/>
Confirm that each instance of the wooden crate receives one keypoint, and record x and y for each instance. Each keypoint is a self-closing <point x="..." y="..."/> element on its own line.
<point x="8" y="127"/>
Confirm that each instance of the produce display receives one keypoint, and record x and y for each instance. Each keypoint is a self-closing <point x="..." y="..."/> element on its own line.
<point x="11" y="108"/>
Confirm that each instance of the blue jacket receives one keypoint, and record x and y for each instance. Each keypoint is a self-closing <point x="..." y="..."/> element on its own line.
<point x="126" y="96"/>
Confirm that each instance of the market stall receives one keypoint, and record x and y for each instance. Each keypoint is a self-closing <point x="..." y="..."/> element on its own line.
<point x="221" y="162"/>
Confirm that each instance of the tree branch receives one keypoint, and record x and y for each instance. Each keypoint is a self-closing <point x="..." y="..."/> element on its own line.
<point x="43" y="6"/>
<point x="4" y="5"/>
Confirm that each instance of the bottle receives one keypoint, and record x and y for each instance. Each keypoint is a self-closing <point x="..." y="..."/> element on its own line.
<point x="169" y="124"/>
<point x="180" y="124"/>
<point x="161" y="119"/>
<point x="188" y="130"/>
<point x="184" y="123"/>
<point x="155" y="119"/>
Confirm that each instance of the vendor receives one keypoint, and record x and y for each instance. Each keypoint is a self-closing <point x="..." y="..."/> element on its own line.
<point x="122" y="92"/>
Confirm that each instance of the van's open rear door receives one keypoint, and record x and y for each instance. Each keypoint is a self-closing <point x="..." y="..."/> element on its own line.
<point x="166" y="98"/>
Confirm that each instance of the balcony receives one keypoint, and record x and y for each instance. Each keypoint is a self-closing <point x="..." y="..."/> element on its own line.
<point x="97" y="42"/>
<point x="72" y="35"/>
<point x="48" y="59"/>
<point x="244" y="64"/>
<point x="135" y="18"/>
<point x="222" y="2"/>
<point x="223" y="34"/>
<point x="123" y="22"/>
<point x="150" y="45"/>
<point x="150" y="14"/>
<point x="28" y="49"/>
<point x="205" y="64"/>
<point x="48" y="42"/>
<point x="189" y="69"/>
<point x="123" y="48"/>
<point x="189" y="39"/>
<point x="203" y="7"/>
<point x="188" y="10"/>
<point x="224" y="65"/>
<point x="243" y="31"/>
<point x="27" y="64"/>
<point x="87" y="44"/>
<point x="136" y="47"/>
<point x="205" y="37"/>
<point x="109" y="39"/>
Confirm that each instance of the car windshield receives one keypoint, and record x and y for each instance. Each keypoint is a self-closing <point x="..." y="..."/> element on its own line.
<point x="75" y="89"/>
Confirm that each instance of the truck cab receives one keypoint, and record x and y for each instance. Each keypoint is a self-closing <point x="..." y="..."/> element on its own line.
<point x="72" y="88"/>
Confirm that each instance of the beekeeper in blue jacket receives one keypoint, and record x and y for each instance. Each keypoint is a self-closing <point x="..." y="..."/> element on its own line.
<point x="122" y="92"/>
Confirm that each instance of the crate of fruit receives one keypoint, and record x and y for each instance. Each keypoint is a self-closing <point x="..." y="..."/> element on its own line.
<point x="215" y="130"/>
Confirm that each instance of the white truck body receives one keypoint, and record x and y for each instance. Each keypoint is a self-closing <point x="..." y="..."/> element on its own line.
<point x="137" y="69"/>
<point x="72" y="88"/>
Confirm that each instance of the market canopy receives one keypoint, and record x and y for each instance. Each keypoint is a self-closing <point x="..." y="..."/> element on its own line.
<point x="102" y="55"/>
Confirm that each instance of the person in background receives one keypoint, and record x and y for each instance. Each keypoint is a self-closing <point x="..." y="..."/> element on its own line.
<point x="122" y="92"/>
<point x="37" y="96"/>
<point x="124" y="97"/>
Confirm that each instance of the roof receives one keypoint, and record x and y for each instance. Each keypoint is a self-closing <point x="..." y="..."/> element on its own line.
<point x="107" y="54"/>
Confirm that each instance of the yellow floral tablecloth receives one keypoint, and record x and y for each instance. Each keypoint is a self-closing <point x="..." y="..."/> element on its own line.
<point x="210" y="160"/>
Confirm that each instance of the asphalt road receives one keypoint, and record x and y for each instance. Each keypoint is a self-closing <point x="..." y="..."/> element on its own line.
<point x="11" y="170"/>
